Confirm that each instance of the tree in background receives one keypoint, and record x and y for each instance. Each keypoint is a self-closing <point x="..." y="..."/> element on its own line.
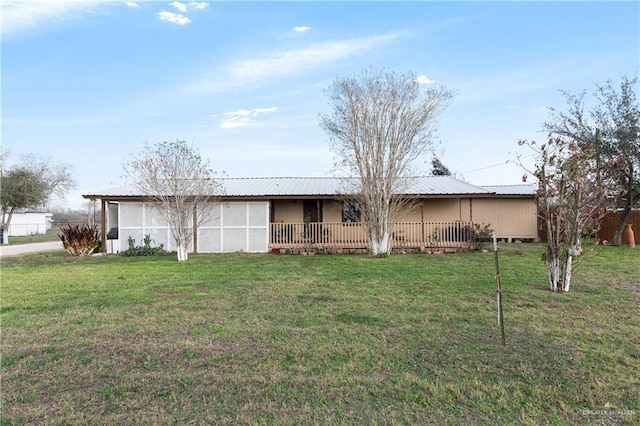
<point x="55" y="174"/>
<point x="612" y="128"/>
<point x="381" y="123"/>
<point x="571" y="199"/>
<point x="91" y="211"/>
<point x="21" y="189"/>
<point x="617" y="116"/>
<point x="31" y="184"/>
<point x="438" y="168"/>
<point x="181" y="182"/>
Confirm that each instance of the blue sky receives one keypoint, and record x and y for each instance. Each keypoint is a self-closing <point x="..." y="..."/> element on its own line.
<point x="88" y="82"/>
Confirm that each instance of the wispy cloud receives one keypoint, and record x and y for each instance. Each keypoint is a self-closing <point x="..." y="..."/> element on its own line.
<point x="423" y="79"/>
<point x="285" y="63"/>
<point x="300" y="60"/>
<point x="174" y="18"/>
<point x="301" y="29"/>
<point x="179" y="18"/>
<point x="180" y="6"/>
<point x="132" y="4"/>
<point x="198" y="5"/>
<point x="19" y="16"/>
<point x="244" y="117"/>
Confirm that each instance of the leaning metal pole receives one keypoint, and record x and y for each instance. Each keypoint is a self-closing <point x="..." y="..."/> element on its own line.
<point x="498" y="289"/>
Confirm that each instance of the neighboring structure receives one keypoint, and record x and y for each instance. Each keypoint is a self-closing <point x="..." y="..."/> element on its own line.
<point x="29" y="222"/>
<point x="261" y="214"/>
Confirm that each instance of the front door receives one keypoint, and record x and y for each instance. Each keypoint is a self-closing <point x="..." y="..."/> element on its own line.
<point x="312" y="211"/>
<point x="312" y="220"/>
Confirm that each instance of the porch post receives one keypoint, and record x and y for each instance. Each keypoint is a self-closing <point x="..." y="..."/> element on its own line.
<point x="103" y="225"/>
<point x="195" y="230"/>
<point x="424" y="237"/>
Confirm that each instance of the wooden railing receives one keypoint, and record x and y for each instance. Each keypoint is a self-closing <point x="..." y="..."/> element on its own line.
<point x="354" y="236"/>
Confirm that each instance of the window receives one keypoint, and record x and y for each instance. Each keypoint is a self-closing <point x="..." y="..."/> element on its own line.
<point x="350" y="212"/>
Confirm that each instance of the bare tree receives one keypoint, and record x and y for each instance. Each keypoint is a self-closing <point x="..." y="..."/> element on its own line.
<point x="90" y="211"/>
<point x="55" y="174"/>
<point x="612" y="128"/>
<point x="570" y="200"/>
<point x="180" y="181"/>
<point x="381" y="123"/>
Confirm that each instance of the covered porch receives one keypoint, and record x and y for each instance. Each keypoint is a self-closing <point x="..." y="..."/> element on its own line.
<point x="419" y="236"/>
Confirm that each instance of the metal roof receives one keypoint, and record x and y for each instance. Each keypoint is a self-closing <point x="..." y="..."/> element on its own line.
<point x="331" y="186"/>
<point x="512" y="189"/>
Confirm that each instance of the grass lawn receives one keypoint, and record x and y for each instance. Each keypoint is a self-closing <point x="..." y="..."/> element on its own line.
<point x="50" y="235"/>
<point x="328" y="339"/>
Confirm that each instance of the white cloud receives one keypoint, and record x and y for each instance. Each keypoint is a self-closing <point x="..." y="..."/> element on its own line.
<point x="174" y="18"/>
<point x="300" y="60"/>
<point x="132" y="4"/>
<point x="286" y="63"/>
<point x="198" y="5"/>
<point x="20" y="16"/>
<point x="244" y="118"/>
<point x="301" y="29"/>
<point x="423" y="79"/>
<point x="180" y="6"/>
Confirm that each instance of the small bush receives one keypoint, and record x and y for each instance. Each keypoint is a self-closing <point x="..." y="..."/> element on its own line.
<point x="478" y="235"/>
<point x="80" y="240"/>
<point x="145" y="249"/>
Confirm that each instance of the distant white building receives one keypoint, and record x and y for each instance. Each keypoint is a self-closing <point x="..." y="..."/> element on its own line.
<point x="29" y="223"/>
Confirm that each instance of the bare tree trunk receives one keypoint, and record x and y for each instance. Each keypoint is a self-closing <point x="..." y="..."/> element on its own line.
<point x="379" y="243"/>
<point x="182" y="239"/>
<point x="378" y="230"/>
<point x="183" y="254"/>
<point x="572" y="251"/>
<point x="566" y="280"/>
<point x="553" y="261"/>
<point x="6" y="221"/>
<point x="617" y="237"/>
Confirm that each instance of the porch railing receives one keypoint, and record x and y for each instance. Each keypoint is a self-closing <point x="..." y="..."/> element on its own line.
<point x="353" y="235"/>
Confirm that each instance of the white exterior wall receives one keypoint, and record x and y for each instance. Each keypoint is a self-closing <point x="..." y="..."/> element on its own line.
<point x="29" y="224"/>
<point x="229" y="227"/>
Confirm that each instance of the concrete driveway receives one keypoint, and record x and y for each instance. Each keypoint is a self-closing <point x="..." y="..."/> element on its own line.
<point x="30" y="248"/>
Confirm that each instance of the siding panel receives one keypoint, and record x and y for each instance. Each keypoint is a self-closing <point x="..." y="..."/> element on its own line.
<point x="509" y="217"/>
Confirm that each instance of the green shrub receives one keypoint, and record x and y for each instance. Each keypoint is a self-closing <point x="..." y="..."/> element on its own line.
<point x="145" y="249"/>
<point x="80" y="240"/>
<point x="478" y="235"/>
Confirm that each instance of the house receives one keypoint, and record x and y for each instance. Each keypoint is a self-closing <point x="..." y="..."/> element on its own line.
<point x="262" y="214"/>
<point x="29" y="222"/>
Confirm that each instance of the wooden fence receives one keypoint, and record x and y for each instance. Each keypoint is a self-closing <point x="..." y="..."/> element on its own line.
<point x="338" y="235"/>
<point x="609" y="224"/>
